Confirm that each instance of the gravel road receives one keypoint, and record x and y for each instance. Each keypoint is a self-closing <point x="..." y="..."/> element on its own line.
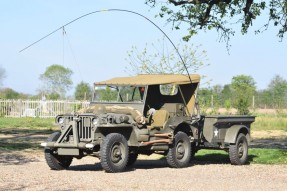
<point x="20" y="171"/>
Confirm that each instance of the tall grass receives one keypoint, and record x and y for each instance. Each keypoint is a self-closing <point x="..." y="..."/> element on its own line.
<point x="270" y="122"/>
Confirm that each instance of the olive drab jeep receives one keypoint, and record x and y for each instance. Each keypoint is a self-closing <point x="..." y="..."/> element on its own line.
<point x="145" y="114"/>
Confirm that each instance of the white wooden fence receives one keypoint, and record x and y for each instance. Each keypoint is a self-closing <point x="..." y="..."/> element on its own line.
<point x="39" y="108"/>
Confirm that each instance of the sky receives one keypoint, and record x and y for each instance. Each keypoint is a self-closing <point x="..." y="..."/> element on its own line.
<point x="95" y="47"/>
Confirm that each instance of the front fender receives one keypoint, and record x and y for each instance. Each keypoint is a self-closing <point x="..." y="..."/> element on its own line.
<point x="233" y="132"/>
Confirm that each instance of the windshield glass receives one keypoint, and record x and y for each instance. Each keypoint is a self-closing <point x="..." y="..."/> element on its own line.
<point x="118" y="94"/>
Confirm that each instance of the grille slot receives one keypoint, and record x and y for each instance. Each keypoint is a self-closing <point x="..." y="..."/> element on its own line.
<point x="85" y="129"/>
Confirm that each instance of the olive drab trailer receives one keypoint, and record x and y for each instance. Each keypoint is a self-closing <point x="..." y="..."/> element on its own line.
<point x="145" y="114"/>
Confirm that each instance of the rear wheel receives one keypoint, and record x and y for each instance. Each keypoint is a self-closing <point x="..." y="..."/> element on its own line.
<point x="179" y="154"/>
<point x="238" y="152"/>
<point x="114" y="153"/>
<point x="54" y="161"/>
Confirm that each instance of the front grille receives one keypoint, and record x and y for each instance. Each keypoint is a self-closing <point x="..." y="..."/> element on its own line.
<point x="85" y="129"/>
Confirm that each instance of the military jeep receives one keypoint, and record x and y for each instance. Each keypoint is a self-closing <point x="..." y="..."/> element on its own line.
<point x="145" y="114"/>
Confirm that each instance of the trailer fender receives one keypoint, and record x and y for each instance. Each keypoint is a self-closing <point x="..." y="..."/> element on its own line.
<point x="233" y="132"/>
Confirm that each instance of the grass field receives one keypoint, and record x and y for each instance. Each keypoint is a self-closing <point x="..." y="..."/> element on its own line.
<point x="22" y="134"/>
<point x="27" y="122"/>
<point x="269" y="122"/>
<point x="262" y="122"/>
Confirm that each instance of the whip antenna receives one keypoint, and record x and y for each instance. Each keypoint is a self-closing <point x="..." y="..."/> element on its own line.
<point x="111" y="10"/>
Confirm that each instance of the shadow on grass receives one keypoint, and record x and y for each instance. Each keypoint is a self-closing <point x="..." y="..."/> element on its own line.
<point x="21" y="139"/>
<point x="19" y="146"/>
<point x="19" y="131"/>
<point x="271" y="143"/>
<point x="217" y="159"/>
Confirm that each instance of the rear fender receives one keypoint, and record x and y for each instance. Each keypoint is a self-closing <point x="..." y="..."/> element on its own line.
<point x="233" y="132"/>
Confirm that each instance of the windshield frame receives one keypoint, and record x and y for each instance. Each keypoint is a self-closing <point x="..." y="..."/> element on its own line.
<point x="137" y="93"/>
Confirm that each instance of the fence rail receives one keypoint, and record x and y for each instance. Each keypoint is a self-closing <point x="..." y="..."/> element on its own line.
<point x="39" y="108"/>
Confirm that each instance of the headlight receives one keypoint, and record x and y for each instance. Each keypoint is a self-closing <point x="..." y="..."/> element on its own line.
<point x="95" y="121"/>
<point x="61" y="120"/>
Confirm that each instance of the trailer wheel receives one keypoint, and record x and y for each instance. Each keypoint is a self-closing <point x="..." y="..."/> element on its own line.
<point x="114" y="153"/>
<point x="179" y="154"/>
<point x="54" y="161"/>
<point x="238" y="153"/>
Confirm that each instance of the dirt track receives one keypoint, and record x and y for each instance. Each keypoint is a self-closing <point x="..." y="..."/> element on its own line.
<point x="26" y="172"/>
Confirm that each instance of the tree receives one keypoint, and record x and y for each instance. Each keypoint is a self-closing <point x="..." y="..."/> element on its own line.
<point x="204" y="98"/>
<point x="243" y="88"/>
<point x="107" y="94"/>
<point x="277" y="91"/>
<point x="8" y="93"/>
<point x="83" y="91"/>
<point x="2" y="75"/>
<point x="158" y="59"/>
<point x="226" y="96"/>
<point x="221" y="15"/>
<point x="56" y="80"/>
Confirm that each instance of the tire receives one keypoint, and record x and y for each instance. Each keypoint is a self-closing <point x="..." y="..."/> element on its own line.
<point x="132" y="159"/>
<point x="179" y="154"/>
<point x="238" y="152"/>
<point x="114" y="153"/>
<point x="54" y="161"/>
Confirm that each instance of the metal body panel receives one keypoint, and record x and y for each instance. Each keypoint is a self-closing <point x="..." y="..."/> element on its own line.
<point x="224" y="129"/>
<point x="233" y="132"/>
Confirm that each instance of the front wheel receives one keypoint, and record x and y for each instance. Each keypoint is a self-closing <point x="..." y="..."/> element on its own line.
<point x="54" y="161"/>
<point x="179" y="154"/>
<point x="238" y="152"/>
<point x="114" y="153"/>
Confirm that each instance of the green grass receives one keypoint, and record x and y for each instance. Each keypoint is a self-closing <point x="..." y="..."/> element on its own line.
<point x="255" y="156"/>
<point x="24" y="133"/>
<point x="269" y="122"/>
<point x="27" y="122"/>
<point x="42" y="126"/>
<point x="19" y="146"/>
<point x="262" y="122"/>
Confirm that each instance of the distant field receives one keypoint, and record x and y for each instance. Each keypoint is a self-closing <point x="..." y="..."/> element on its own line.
<point x="262" y="122"/>
<point x="270" y="122"/>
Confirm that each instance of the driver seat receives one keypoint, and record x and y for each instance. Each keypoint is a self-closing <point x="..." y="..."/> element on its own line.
<point x="158" y="119"/>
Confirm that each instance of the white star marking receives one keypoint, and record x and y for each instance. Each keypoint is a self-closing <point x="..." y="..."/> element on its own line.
<point x="215" y="133"/>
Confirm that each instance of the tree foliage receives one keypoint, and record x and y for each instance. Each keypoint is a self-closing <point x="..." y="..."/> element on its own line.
<point x="158" y="59"/>
<point x="8" y="93"/>
<point x="56" y="80"/>
<point x="277" y="91"/>
<point x="243" y="88"/>
<point x="107" y="94"/>
<point x="221" y="15"/>
<point x="83" y="91"/>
